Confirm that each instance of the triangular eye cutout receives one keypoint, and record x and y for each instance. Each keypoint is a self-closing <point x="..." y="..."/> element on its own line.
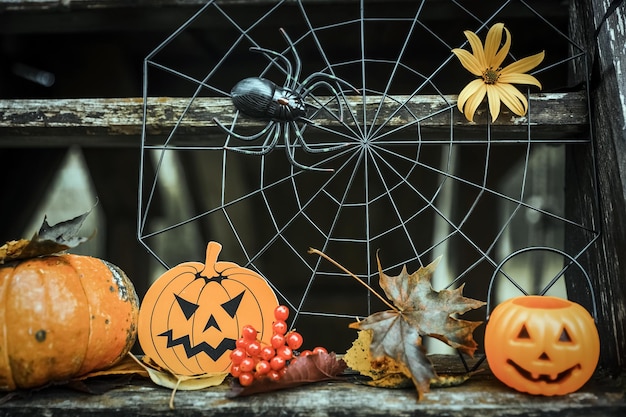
<point x="565" y="337"/>
<point x="523" y="333"/>
<point x="231" y="306"/>
<point x="212" y="323"/>
<point x="187" y="307"/>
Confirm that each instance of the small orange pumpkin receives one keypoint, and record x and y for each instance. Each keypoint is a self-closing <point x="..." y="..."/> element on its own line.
<point x="63" y="316"/>
<point x="542" y="345"/>
<point x="192" y="315"/>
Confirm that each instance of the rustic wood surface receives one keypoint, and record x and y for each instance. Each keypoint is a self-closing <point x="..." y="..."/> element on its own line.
<point x="51" y="5"/>
<point x="47" y="5"/>
<point x="602" y="177"/>
<point x="118" y="121"/>
<point x="482" y="395"/>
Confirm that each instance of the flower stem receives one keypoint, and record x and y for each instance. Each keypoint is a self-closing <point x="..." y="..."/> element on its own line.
<point x="338" y="265"/>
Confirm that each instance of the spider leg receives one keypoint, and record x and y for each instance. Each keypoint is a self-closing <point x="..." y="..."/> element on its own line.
<point x="308" y="148"/>
<point x="274" y="56"/>
<point x="290" y="150"/>
<point x="329" y="81"/>
<point x="308" y="89"/>
<point x="243" y="137"/>
<point x="329" y="78"/>
<point x="296" y="57"/>
<point x="268" y="145"/>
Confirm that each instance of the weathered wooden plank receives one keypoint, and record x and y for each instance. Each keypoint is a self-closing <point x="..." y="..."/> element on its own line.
<point x="51" y="5"/>
<point x="118" y="122"/>
<point x="38" y="5"/>
<point x="481" y="395"/>
<point x="48" y="5"/>
<point x="597" y="183"/>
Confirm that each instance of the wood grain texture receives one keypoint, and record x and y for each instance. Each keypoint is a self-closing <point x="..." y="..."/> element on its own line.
<point x="118" y="121"/>
<point x="481" y="395"/>
<point x="597" y="182"/>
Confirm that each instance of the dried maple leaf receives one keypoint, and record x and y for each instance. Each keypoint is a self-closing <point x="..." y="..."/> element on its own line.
<point x="419" y="311"/>
<point x="385" y="372"/>
<point x="305" y="370"/>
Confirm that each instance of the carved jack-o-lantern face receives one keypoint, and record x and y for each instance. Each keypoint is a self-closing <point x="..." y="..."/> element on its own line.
<point x="191" y="316"/>
<point x="542" y="345"/>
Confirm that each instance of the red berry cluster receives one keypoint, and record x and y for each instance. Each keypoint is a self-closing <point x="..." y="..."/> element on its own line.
<point x="252" y="359"/>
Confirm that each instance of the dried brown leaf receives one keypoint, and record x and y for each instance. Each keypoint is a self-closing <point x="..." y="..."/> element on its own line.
<point x="12" y="249"/>
<point x="305" y="370"/>
<point x="385" y="372"/>
<point x="420" y="311"/>
<point x="47" y="241"/>
<point x="126" y="366"/>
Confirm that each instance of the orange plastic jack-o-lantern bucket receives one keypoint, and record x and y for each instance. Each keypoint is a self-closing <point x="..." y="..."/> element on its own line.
<point x="192" y="315"/>
<point x="542" y="345"/>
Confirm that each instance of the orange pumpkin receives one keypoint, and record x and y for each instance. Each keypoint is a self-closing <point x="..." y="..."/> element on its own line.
<point x="542" y="345"/>
<point x="63" y="316"/>
<point x="192" y="315"/>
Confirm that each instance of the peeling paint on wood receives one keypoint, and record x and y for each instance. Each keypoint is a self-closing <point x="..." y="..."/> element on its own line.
<point x="603" y="175"/>
<point x="108" y="122"/>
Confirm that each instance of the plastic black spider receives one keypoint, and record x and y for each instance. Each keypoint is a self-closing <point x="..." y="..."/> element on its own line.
<point x="284" y="106"/>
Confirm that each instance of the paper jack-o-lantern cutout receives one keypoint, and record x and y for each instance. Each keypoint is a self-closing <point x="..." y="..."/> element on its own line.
<point x="192" y="315"/>
<point x="542" y="345"/>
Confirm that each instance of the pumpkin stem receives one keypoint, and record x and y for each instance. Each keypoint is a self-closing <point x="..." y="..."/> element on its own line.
<point x="212" y="251"/>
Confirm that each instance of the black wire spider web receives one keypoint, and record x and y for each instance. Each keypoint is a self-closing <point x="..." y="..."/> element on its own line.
<point x="389" y="182"/>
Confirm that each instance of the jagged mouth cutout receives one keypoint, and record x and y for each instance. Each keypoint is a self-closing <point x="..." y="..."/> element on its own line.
<point x="557" y="379"/>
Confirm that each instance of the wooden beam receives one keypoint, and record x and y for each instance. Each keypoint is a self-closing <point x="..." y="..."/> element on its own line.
<point x="48" y="5"/>
<point x="481" y="395"/>
<point x="64" y="5"/>
<point x="560" y="117"/>
<point x="597" y="183"/>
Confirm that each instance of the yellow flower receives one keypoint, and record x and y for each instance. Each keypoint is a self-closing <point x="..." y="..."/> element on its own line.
<point x="495" y="81"/>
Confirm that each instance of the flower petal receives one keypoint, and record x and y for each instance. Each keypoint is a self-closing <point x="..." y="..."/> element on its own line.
<point x="474" y="100"/>
<point x="493" y="97"/>
<point x="503" y="52"/>
<point x="512" y="98"/>
<point x="524" y="64"/>
<point x="469" y="90"/>
<point x="469" y="61"/>
<point x="492" y="43"/>
<point x="516" y="78"/>
<point x="477" y="48"/>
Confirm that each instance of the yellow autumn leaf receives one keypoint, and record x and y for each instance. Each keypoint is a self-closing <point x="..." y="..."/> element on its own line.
<point x="12" y="249"/>
<point x="387" y="373"/>
<point x="127" y="366"/>
<point x="167" y="379"/>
